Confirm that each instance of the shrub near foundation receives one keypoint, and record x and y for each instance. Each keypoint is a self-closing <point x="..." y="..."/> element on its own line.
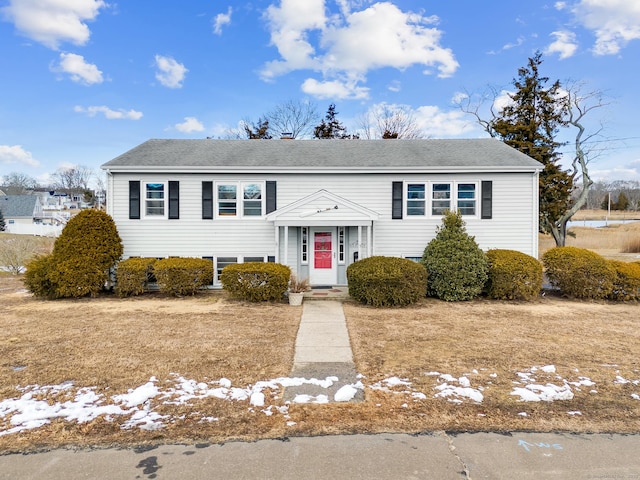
<point x="387" y="281"/>
<point x="256" y="281"/>
<point x="183" y="276"/>
<point x="132" y="276"/>
<point x="513" y="275"/>
<point x="626" y="285"/>
<point x="456" y="265"/>
<point x="579" y="272"/>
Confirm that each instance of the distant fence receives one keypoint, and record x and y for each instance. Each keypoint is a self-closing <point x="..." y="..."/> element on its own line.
<point x="35" y="229"/>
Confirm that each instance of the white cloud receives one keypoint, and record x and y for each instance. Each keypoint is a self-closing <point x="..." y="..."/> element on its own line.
<point x="190" y="125"/>
<point x="334" y="89"/>
<point x="221" y="20"/>
<point x="437" y="123"/>
<point x="17" y="154"/>
<point x="351" y="43"/>
<point x="79" y="70"/>
<point x="565" y="44"/>
<point x="52" y="22"/>
<point x="171" y="73"/>
<point x="108" y="113"/>
<point x="614" y="22"/>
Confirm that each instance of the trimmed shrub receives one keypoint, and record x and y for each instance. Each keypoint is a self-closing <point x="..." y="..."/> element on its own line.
<point x="183" y="276"/>
<point x="256" y="281"/>
<point x="513" y="275"/>
<point x="387" y="281"/>
<point x="626" y="285"/>
<point x="133" y="276"/>
<point x="83" y="256"/>
<point x="36" y="278"/>
<point x="456" y="266"/>
<point x="579" y="272"/>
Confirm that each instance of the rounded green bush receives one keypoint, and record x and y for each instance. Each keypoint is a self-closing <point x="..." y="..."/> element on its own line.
<point x="456" y="265"/>
<point x="626" y="285"/>
<point x="183" y="276"/>
<point x="256" y="281"/>
<point x="37" y="279"/>
<point x="133" y="276"/>
<point x="513" y="275"/>
<point x="579" y="272"/>
<point x="386" y="281"/>
<point x="83" y="256"/>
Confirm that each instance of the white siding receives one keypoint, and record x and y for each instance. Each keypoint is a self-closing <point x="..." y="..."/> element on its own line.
<point x="513" y="226"/>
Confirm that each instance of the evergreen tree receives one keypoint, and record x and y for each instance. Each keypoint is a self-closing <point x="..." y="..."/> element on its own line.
<point x="529" y="124"/>
<point x="330" y="126"/>
<point x="259" y="131"/>
<point x="622" y="203"/>
<point x="3" y="226"/>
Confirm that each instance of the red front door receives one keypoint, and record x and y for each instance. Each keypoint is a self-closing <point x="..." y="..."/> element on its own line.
<point x="322" y="251"/>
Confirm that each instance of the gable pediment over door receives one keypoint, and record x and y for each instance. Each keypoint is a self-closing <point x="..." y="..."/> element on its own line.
<point x="323" y="208"/>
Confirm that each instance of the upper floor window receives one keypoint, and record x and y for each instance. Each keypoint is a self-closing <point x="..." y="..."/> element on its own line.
<point x="240" y="199"/>
<point x="467" y="198"/>
<point x="441" y="196"/>
<point x="415" y="199"/>
<point x="154" y="199"/>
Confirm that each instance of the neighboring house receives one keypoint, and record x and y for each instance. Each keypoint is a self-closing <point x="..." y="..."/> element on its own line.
<point x="20" y="209"/>
<point x="318" y="205"/>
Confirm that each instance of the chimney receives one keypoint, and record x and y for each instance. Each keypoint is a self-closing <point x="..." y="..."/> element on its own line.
<point x="286" y="136"/>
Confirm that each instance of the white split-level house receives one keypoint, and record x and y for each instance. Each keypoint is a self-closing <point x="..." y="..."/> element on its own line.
<point x="318" y="205"/>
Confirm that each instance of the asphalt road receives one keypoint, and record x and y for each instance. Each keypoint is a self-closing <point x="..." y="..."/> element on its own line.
<point x="438" y="456"/>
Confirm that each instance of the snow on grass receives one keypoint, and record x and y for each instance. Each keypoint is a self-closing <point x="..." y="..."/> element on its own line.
<point x="39" y="405"/>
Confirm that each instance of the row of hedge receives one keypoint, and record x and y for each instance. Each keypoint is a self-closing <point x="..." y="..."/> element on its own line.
<point x="510" y="275"/>
<point x="173" y="276"/>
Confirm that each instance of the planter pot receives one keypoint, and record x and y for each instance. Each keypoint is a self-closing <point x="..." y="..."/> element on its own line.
<point x="295" y="298"/>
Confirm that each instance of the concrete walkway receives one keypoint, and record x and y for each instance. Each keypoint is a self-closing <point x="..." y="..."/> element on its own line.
<point x="322" y="350"/>
<point x="442" y="456"/>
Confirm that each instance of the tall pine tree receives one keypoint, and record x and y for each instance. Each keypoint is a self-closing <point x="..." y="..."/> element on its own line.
<point x="3" y="226"/>
<point x="330" y="127"/>
<point x="529" y="123"/>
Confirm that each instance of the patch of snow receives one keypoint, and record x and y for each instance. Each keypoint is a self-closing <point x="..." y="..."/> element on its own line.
<point x="548" y="369"/>
<point x="346" y="393"/>
<point x="575" y="413"/>
<point x="547" y="393"/>
<point x="311" y="399"/>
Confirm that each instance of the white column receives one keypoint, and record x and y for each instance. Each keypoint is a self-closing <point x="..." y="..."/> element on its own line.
<point x="361" y="254"/>
<point x="369" y="240"/>
<point x="277" y="242"/>
<point x="285" y="254"/>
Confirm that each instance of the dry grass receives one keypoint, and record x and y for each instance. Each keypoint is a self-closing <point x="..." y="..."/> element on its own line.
<point x="603" y="214"/>
<point x="611" y="242"/>
<point x="117" y="344"/>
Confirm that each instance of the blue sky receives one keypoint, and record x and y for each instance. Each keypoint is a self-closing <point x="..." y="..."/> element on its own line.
<point x="83" y="81"/>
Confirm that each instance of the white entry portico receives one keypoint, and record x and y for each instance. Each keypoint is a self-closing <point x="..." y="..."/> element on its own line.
<point x="319" y="235"/>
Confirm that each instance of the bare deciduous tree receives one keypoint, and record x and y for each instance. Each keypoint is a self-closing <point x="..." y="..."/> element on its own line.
<point x="17" y="250"/>
<point x="72" y="178"/>
<point x="17" y="183"/>
<point x="389" y="121"/>
<point x="293" y="117"/>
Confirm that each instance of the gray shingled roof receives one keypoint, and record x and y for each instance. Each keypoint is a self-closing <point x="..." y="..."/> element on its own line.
<point x="276" y="155"/>
<point x="18" y="205"/>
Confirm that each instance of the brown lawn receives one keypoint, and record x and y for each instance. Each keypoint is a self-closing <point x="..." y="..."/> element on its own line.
<point x="114" y="345"/>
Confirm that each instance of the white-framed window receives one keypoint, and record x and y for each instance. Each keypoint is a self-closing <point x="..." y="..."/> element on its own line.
<point x="440" y="198"/>
<point x="304" y="245"/>
<point x="434" y="198"/>
<point x="467" y="198"/>
<point x="341" y="245"/>
<point x="155" y="197"/>
<point x="221" y="262"/>
<point x="416" y="199"/>
<point x="239" y="199"/>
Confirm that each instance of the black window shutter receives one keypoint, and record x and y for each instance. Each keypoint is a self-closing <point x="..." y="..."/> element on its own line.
<point x="207" y="200"/>
<point x="271" y="196"/>
<point x="134" y="199"/>
<point x="396" y="202"/>
<point x="486" y="210"/>
<point x="174" y="200"/>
